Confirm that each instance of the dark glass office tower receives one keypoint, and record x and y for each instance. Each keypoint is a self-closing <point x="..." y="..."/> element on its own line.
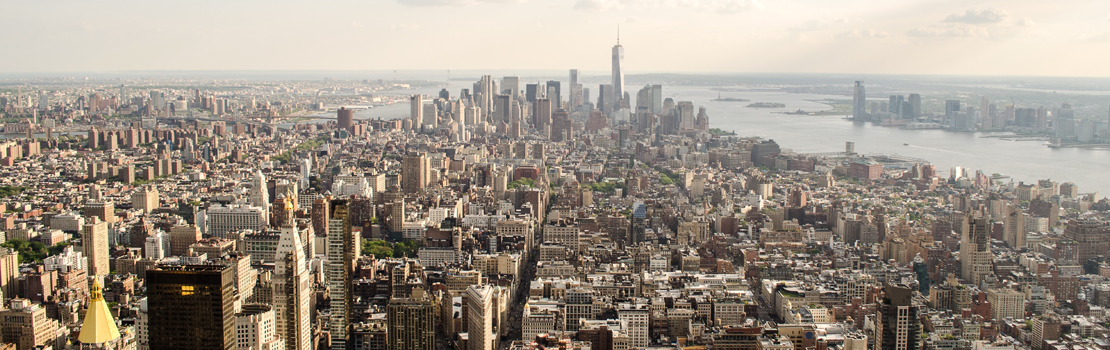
<point x="191" y="307"/>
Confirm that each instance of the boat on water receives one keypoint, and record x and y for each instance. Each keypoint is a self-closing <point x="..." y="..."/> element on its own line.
<point x="906" y="144"/>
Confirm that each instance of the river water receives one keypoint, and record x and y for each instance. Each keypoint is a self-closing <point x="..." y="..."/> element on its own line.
<point x="1026" y="161"/>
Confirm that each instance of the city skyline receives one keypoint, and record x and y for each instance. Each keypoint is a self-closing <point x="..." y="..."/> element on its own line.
<point x="715" y="36"/>
<point x="603" y="207"/>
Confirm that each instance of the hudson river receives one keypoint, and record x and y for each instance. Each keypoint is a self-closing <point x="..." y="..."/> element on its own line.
<point x="1026" y="161"/>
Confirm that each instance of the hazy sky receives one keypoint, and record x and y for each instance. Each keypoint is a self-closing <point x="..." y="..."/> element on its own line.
<point x="1001" y="37"/>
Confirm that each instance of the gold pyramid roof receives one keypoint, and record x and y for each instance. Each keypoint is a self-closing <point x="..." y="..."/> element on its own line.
<point x="99" y="326"/>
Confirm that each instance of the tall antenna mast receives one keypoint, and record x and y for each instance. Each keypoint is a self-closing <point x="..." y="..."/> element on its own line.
<point x="618" y="34"/>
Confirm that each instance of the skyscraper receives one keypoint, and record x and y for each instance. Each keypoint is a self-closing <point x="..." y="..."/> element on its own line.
<point x="510" y="86"/>
<point x="27" y="325"/>
<point x="480" y="317"/>
<point x="951" y="106"/>
<point x="502" y="105"/>
<point x="555" y="94"/>
<point x="342" y="253"/>
<point x="895" y="105"/>
<point x="657" y="99"/>
<point x="575" y="98"/>
<point x="975" y="249"/>
<point x="985" y="113"/>
<point x="685" y="112"/>
<point x="859" y="101"/>
<point x="639" y="223"/>
<point x="1091" y="236"/>
<point x="94" y="243"/>
<point x="9" y="273"/>
<point x="1014" y="232"/>
<point x="255" y="328"/>
<point x="644" y="99"/>
<point x="534" y="91"/>
<point x="415" y="169"/>
<point x="145" y="199"/>
<point x="484" y="90"/>
<point x="260" y="193"/>
<point x="541" y="113"/>
<point x="292" y="288"/>
<point x="346" y="118"/>
<point x="897" y="326"/>
<point x="416" y="110"/>
<point x="191" y="307"/>
<point x="430" y="116"/>
<point x="605" y="98"/>
<point x="101" y="209"/>
<point x="412" y="321"/>
<point x="915" y="102"/>
<point x="618" y="72"/>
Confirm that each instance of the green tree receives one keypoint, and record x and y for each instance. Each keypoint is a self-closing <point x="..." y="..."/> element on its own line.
<point x="523" y="181"/>
<point x="32" y="251"/>
<point x="7" y="191"/>
<point x="407" y="248"/>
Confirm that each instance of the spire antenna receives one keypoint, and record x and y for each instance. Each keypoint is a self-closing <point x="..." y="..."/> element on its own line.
<point x="618" y="34"/>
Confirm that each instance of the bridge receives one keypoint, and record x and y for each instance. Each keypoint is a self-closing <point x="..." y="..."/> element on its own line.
<point x="208" y="119"/>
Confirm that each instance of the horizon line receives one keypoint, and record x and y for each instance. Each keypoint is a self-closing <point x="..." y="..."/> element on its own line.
<point x="68" y="74"/>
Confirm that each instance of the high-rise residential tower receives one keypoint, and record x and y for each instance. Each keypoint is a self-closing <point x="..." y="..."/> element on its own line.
<point x="897" y="326"/>
<point x="342" y="253"/>
<point x="145" y="199"/>
<point x="346" y="118"/>
<point x="95" y="246"/>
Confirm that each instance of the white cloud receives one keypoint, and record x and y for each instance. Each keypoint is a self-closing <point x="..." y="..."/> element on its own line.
<point x="948" y="30"/>
<point x="978" y="16"/>
<point x="991" y="23"/>
<point x="820" y="24"/>
<point x="725" y="7"/>
<point x="868" y="33"/>
<point x="1098" y="38"/>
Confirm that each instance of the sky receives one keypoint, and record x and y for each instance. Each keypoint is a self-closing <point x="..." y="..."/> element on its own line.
<point x="957" y="37"/>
